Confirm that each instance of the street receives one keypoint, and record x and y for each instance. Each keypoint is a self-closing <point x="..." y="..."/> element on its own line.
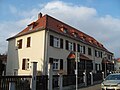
<point x="94" y="87"/>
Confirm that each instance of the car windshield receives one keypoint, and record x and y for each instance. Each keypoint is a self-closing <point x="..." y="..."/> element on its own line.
<point x="113" y="77"/>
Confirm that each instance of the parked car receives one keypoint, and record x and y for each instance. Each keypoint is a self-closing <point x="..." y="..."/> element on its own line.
<point x="112" y="82"/>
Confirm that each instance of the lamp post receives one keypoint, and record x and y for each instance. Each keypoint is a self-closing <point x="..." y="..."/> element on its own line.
<point x="105" y="69"/>
<point x="77" y="56"/>
<point x="105" y="58"/>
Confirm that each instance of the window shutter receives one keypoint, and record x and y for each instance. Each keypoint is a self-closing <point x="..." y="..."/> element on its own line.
<point x="95" y="53"/>
<point x="61" y="43"/>
<point x="61" y="64"/>
<point x="23" y="64"/>
<point x="28" y="41"/>
<point x="83" y="49"/>
<point x="78" y="47"/>
<point x="74" y="47"/>
<point x="51" y="40"/>
<point x="66" y="45"/>
<point x="50" y="60"/>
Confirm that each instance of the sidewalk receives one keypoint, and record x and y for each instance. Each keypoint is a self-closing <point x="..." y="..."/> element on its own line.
<point x="94" y="87"/>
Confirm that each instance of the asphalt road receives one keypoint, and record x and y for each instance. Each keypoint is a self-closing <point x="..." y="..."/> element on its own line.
<point x="94" y="87"/>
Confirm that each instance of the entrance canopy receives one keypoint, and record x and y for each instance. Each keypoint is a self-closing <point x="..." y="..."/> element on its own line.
<point x="71" y="56"/>
<point x="107" y="61"/>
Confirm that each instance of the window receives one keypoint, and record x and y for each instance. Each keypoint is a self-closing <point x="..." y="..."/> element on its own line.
<point x="25" y="64"/>
<point x="31" y="27"/>
<point x="55" y="64"/>
<point x="89" y="51"/>
<point x="82" y="49"/>
<point x="28" y="41"/>
<point x="19" y="44"/>
<point x="56" y="42"/>
<point x="69" y="45"/>
<point x="98" y="53"/>
<point x="65" y="30"/>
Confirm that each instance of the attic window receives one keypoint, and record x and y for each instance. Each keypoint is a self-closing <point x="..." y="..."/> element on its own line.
<point x="63" y="29"/>
<point x="74" y="34"/>
<point x="83" y="37"/>
<point x="31" y="27"/>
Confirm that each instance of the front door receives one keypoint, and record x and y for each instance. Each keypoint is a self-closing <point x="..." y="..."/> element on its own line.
<point x="70" y="66"/>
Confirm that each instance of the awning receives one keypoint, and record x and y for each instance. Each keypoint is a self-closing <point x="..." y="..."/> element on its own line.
<point x="72" y="56"/>
<point x="107" y="61"/>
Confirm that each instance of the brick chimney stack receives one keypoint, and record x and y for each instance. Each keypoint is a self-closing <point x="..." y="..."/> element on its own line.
<point x="39" y="15"/>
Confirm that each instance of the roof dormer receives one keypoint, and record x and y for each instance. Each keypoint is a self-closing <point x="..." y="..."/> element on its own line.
<point x="63" y="29"/>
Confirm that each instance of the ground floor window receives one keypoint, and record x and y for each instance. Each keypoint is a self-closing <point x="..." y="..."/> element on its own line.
<point x="57" y="63"/>
<point x="25" y="64"/>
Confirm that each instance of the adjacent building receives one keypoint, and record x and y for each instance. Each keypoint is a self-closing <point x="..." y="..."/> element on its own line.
<point x="3" y="61"/>
<point x="48" y="39"/>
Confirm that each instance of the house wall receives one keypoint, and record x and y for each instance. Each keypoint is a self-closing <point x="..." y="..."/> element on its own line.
<point x="12" y="58"/>
<point x="34" y="53"/>
<point x="41" y="52"/>
<point x="58" y="53"/>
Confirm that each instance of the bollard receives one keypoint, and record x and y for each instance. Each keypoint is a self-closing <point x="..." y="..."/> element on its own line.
<point x="60" y="73"/>
<point x="50" y="74"/>
<point x="103" y="76"/>
<point x="11" y="86"/>
<point x="91" y="74"/>
<point x="85" y="78"/>
<point x="60" y="82"/>
<point x="34" y="71"/>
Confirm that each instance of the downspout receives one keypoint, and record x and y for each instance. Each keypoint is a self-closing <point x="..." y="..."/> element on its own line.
<point x="45" y="68"/>
<point x="46" y="52"/>
<point x="94" y="60"/>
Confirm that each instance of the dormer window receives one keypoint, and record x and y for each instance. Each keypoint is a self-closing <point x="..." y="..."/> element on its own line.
<point x="74" y="34"/>
<point x="31" y="27"/>
<point x="83" y="37"/>
<point x="63" y="29"/>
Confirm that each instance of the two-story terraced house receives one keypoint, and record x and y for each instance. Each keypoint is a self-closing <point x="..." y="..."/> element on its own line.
<point x="50" y="39"/>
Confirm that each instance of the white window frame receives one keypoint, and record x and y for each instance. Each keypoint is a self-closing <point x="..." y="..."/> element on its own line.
<point x="81" y="49"/>
<point x="70" y="46"/>
<point x="56" y="64"/>
<point x="56" y="42"/>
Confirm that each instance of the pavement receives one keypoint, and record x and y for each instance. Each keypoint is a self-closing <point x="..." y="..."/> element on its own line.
<point x="94" y="87"/>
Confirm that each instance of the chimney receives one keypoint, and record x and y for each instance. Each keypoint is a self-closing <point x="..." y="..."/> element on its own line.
<point x="39" y="15"/>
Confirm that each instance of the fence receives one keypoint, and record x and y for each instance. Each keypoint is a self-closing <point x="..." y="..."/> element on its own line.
<point x="97" y="77"/>
<point x="22" y="82"/>
<point x="67" y="80"/>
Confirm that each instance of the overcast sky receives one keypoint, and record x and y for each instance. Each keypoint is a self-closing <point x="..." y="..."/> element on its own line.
<point x="97" y="18"/>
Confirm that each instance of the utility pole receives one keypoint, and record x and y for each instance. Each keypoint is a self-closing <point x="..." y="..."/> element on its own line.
<point x="77" y="57"/>
<point x="76" y="72"/>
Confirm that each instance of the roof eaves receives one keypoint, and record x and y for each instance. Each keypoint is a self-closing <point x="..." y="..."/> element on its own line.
<point x="18" y="35"/>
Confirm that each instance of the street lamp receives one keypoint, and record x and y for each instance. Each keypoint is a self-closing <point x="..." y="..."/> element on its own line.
<point x="77" y="57"/>
<point x="105" y="59"/>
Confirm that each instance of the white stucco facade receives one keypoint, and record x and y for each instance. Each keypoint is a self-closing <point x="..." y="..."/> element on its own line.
<point x="35" y="53"/>
<point x="41" y="51"/>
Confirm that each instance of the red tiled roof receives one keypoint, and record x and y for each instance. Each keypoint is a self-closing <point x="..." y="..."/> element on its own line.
<point x="48" y="22"/>
<point x="118" y="59"/>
